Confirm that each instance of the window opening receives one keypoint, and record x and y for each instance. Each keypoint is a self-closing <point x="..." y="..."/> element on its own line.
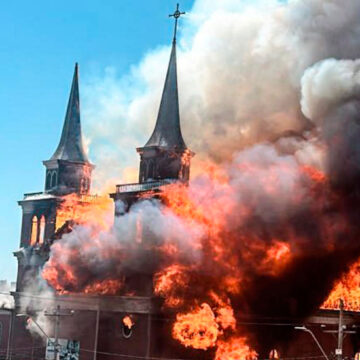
<point x="34" y="230"/>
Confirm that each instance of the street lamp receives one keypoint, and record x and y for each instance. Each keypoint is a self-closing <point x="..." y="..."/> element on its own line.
<point x="304" y="328"/>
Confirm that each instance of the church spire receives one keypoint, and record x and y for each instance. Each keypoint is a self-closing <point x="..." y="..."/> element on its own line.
<point x="71" y="147"/>
<point x="167" y="132"/>
<point x="165" y="156"/>
<point x="69" y="170"/>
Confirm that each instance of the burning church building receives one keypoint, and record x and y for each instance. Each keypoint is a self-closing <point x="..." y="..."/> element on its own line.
<point x="168" y="268"/>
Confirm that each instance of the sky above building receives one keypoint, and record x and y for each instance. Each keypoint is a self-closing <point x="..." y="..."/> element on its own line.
<point x="39" y="44"/>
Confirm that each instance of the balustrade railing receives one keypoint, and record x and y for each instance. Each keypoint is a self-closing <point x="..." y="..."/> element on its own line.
<point x="151" y="185"/>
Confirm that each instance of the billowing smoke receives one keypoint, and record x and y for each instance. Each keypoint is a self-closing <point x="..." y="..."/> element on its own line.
<point x="240" y="70"/>
<point x="269" y="102"/>
<point x="330" y="98"/>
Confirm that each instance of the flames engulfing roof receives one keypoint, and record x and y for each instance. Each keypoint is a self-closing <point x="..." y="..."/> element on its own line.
<point x="71" y="146"/>
<point x="167" y="132"/>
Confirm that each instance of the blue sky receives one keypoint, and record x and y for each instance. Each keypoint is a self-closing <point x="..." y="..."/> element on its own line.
<point x="39" y="44"/>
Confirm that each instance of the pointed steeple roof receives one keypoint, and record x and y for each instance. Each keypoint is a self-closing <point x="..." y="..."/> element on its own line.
<point x="71" y="146"/>
<point x="167" y="132"/>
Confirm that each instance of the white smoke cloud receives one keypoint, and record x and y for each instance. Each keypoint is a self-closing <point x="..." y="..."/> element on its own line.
<point x="327" y="84"/>
<point x="36" y="298"/>
<point x="6" y="300"/>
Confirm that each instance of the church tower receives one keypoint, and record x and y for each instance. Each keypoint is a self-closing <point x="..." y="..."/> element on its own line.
<point x="165" y="155"/>
<point x="165" y="158"/>
<point x="67" y="171"/>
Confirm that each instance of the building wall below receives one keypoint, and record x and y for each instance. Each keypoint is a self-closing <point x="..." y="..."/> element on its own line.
<point x="5" y="323"/>
<point x="102" y="333"/>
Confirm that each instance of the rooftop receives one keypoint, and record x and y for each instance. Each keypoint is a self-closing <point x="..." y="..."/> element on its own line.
<point x="38" y="196"/>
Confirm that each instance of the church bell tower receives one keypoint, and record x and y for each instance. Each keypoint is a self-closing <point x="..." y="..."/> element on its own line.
<point x="165" y="155"/>
<point x="165" y="158"/>
<point x="67" y="171"/>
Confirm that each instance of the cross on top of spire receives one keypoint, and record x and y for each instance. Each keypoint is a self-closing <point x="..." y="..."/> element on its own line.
<point x="176" y="15"/>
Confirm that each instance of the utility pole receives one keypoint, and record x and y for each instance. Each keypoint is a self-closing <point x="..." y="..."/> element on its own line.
<point x="57" y="314"/>
<point x="57" y="325"/>
<point x="339" y="350"/>
<point x="341" y="332"/>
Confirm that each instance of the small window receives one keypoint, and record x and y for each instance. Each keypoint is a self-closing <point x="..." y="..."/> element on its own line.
<point x="34" y="230"/>
<point x="53" y="179"/>
<point x="150" y="170"/>
<point x="48" y="180"/>
<point x="42" y="229"/>
<point x="142" y="170"/>
<point x="127" y="326"/>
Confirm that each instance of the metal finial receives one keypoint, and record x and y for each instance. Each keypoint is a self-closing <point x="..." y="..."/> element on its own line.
<point x="176" y="15"/>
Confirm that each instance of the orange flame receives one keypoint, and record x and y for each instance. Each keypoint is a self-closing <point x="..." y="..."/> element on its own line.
<point x="347" y="289"/>
<point x="197" y="329"/>
<point x="224" y="312"/>
<point x="105" y="287"/>
<point x="96" y="212"/>
<point x="127" y="321"/>
<point x="276" y="259"/>
<point x="234" y="349"/>
<point x="85" y="209"/>
<point x="167" y="281"/>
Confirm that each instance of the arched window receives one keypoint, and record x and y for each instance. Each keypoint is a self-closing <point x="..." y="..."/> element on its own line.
<point x="127" y="326"/>
<point x="48" y="180"/>
<point x="42" y="229"/>
<point x="53" y="179"/>
<point x="34" y="230"/>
